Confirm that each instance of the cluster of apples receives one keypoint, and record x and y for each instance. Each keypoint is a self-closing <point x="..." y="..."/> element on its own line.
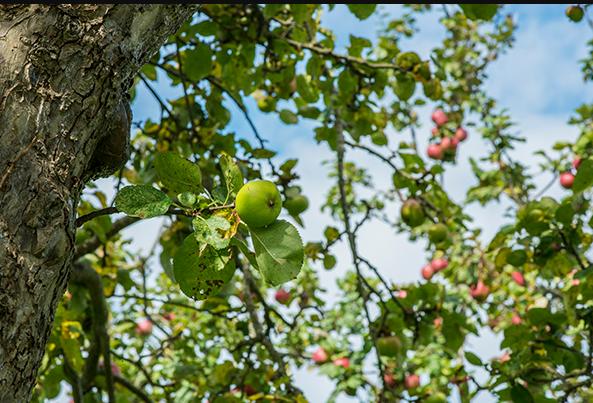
<point x="446" y="144"/>
<point x="320" y="356"/>
<point x="435" y="266"/>
<point x="567" y="177"/>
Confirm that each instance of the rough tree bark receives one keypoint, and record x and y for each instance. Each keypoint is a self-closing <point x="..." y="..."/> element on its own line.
<point x="64" y="78"/>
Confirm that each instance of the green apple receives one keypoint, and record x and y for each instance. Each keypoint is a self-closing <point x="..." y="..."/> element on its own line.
<point x="437" y="232"/>
<point x="412" y="213"/>
<point x="296" y="205"/>
<point x="575" y="13"/>
<point x="389" y="346"/>
<point x="258" y="203"/>
<point x="436" y="398"/>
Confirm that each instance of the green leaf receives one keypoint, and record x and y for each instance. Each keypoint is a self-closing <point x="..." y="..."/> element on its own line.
<point x="405" y="86"/>
<point x="288" y="117"/>
<point x="142" y="201"/>
<point x="305" y="89"/>
<point x="473" y="359"/>
<point x="231" y="173"/>
<point x="517" y="257"/>
<point x="362" y="11"/>
<point x="208" y="231"/>
<point x="584" y="176"/>
<point x="279" y="251"/>
<point x="479" y="11"/>
<point x="198" y="62"/>
<point x="245" y="251"/>
<point x="178" y="174"/>
<point x="201" y="275"/>
<point x="520" y="395"/>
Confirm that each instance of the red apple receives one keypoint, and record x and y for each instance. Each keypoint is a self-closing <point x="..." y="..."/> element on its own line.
<point x="247" y="389"/>
<point x="516" y="320"/>
<point x="439" y="264"/>
<point x="479" y="291"/>
<point x="575" y="282"/>
<point x="412" y="381"/>
<point x="402" y="294"/>
<point x="439" y="117"/>
<point x="435" y="132"/>
<point x="282" y="296"/>
<point x="445" y="143"/>
<point x="518" y="278"/>
<point x="438" y="322"/>
<point x="435" y="151"/>
<point x="169" y="316"/>
<point x="461" y="134"/>
<point x="342" y="362"/>
<point x="144" y="327"/>
<point x="566" y="180"/>
<point x="576" y="162"/>
<point x="427" y="272"/>
<point x="389" y="379"/>
<point x="319" y="356"/>
<point x="504" y="357"/>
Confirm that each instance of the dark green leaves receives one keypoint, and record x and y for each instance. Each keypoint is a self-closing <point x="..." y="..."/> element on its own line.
<point x="279" y="251"/>
<point x="198" y="62"/>
<point x="584" y="176"/>
<point x="473" y="359"/>
<point x="178" y="174"/>
<point x="142" y="201"/>
<point x="479" y="11"/>
<point x="201" y="272"/>
<point x="362" y="11"/>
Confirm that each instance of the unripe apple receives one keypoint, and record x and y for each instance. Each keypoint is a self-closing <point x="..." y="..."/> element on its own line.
<point x="389" y="346"/>
<point x="435" y="151"/>
<point x="480" y="291"/>
<point x="576" y="162"/>
<point x="566" y="180"/>
<point x="389" y="379"/>
<point x="258" y="203"/>
<point x="518" y="278"/>
<point x="575" y="13"/>
<point x="461" y="134"/>
<point x="439" y="117"/>
<point x="144" y="327"/>
<point x="342" y="362"/>
<point x="412" y="381"/>
<point x="412" y="213"/>
<point x="516" y="320"/>
<point x="437" y="232"/>
<point x="282" y="296"/>
<point x="296" y="205"/>
<point x="436" y="398"/>
<point x="427" y="272"/>
<point x="319" y="356"/>
<point x="439" y="264"/>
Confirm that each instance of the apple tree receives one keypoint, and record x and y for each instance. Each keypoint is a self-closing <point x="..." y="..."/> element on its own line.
<point x="228" y="303"/>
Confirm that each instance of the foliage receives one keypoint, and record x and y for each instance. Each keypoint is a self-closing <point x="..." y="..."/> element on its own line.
<point x="219" y="335"/>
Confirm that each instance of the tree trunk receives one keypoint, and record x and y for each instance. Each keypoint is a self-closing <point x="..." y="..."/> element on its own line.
<point x="65" y="75"/>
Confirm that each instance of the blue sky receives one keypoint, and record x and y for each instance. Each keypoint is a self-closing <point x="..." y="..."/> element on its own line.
<point x="538" y="80"/>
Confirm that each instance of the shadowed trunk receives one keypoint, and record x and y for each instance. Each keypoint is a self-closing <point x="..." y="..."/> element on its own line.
<point x="64" y="118"/>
